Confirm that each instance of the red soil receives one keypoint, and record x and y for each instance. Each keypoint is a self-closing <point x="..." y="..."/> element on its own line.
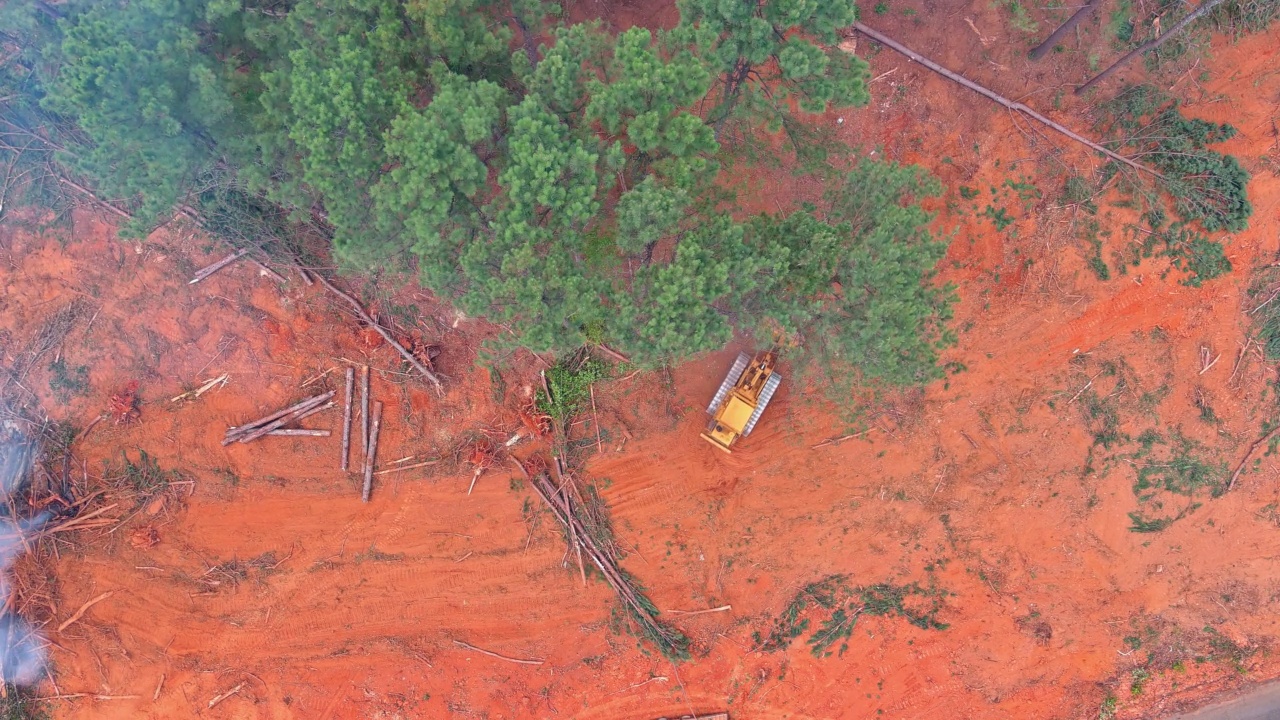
<point x="356" y="613"/>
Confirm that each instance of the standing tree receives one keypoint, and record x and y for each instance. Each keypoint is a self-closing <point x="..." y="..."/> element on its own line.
<point x="570" y="191"/>
<point x="766" y="57"/>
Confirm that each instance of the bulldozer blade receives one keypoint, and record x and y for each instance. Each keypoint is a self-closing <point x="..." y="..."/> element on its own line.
<point x="730" y="380"/>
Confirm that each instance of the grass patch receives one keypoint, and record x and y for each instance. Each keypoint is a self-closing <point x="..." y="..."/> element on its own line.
<point x="373" y="554"/>
<point x="1264" y="307"/>
<point x="998" y="216"/>
<point x="1170" y="469"/>
<point x="1019" y="18"/>
<point x="144" y="478"/>
<point x="68" y="381"/>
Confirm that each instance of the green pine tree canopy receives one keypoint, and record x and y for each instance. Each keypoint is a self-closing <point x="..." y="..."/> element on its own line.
<point x="565" y="181"/>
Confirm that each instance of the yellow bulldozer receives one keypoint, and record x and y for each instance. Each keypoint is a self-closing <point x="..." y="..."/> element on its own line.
<point x="741" y="399"/>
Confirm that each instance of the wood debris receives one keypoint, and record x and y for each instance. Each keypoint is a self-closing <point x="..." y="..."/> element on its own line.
<point x="491" y="654"/>
<point x="562" y="507"/>
<point x="83" y="608"/>
<point x="220" y="381"/>
<point x="226" y="695"/>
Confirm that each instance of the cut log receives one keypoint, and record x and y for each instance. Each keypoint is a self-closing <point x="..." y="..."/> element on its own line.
<point x="373" y="452"/>
<point x="1151" y="44"/>
<point x="364" y="413"/>
<point x="308" y="413"/>
<point x="256" y="432"/>
<point x="346" y="419"/>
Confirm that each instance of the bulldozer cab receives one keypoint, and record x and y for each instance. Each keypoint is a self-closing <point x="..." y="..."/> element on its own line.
<point x="741" y="399"/>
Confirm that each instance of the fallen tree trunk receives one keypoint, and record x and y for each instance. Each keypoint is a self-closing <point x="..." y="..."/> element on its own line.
<point x="408" y="356"/>
<point x="1015" y="106"/>
<point x="1151" y="44"/>
<point x="1043" y="48"/>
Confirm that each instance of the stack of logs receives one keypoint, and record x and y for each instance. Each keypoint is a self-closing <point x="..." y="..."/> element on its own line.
<point x="274" y="424"/>
<point x="370" y="425"/>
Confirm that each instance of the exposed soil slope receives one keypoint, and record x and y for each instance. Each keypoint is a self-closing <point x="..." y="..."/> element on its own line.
<point x="979" y="486"/>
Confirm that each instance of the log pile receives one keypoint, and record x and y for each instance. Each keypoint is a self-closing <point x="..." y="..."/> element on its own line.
<point x="276" y="421"/>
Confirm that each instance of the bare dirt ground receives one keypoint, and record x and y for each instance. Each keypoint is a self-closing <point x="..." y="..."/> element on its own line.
<point x="265" y="573"/>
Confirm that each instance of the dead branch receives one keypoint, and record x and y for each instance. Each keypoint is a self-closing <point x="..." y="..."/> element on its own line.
<point x="1205" y="362"/>
<point x="408" y="356"/>
<point x="567" y="506"/>
<point x="1244" y="349"/>
<point x="406" y="467"/>
<point x="211" y="269"/>
<point x="209" y="385"/>
<point x="1015" y="106"/>
<point x="225" y="695"/>
<point x="1249" y="453"/>
<point x="86" y="191"/>
<point x="596" y="419"/>
<point x="722" y="608"/>
<point x="262" y="267"/>
<point x="482" y="651"/>
<point x="73" y="696"/>
<point x="346" y="419"/>
<point x="842" y="438"/>
<point x="83" y="608"/>
<point x="373" y="451"/>
<point x="613" y="353"/>
<point x="1151" y="44"/>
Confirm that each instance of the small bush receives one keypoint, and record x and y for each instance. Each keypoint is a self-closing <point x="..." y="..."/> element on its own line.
<point x="570" y="383"/>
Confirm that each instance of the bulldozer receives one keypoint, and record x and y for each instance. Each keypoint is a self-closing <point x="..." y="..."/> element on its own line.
<point x="741" y="399"/>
